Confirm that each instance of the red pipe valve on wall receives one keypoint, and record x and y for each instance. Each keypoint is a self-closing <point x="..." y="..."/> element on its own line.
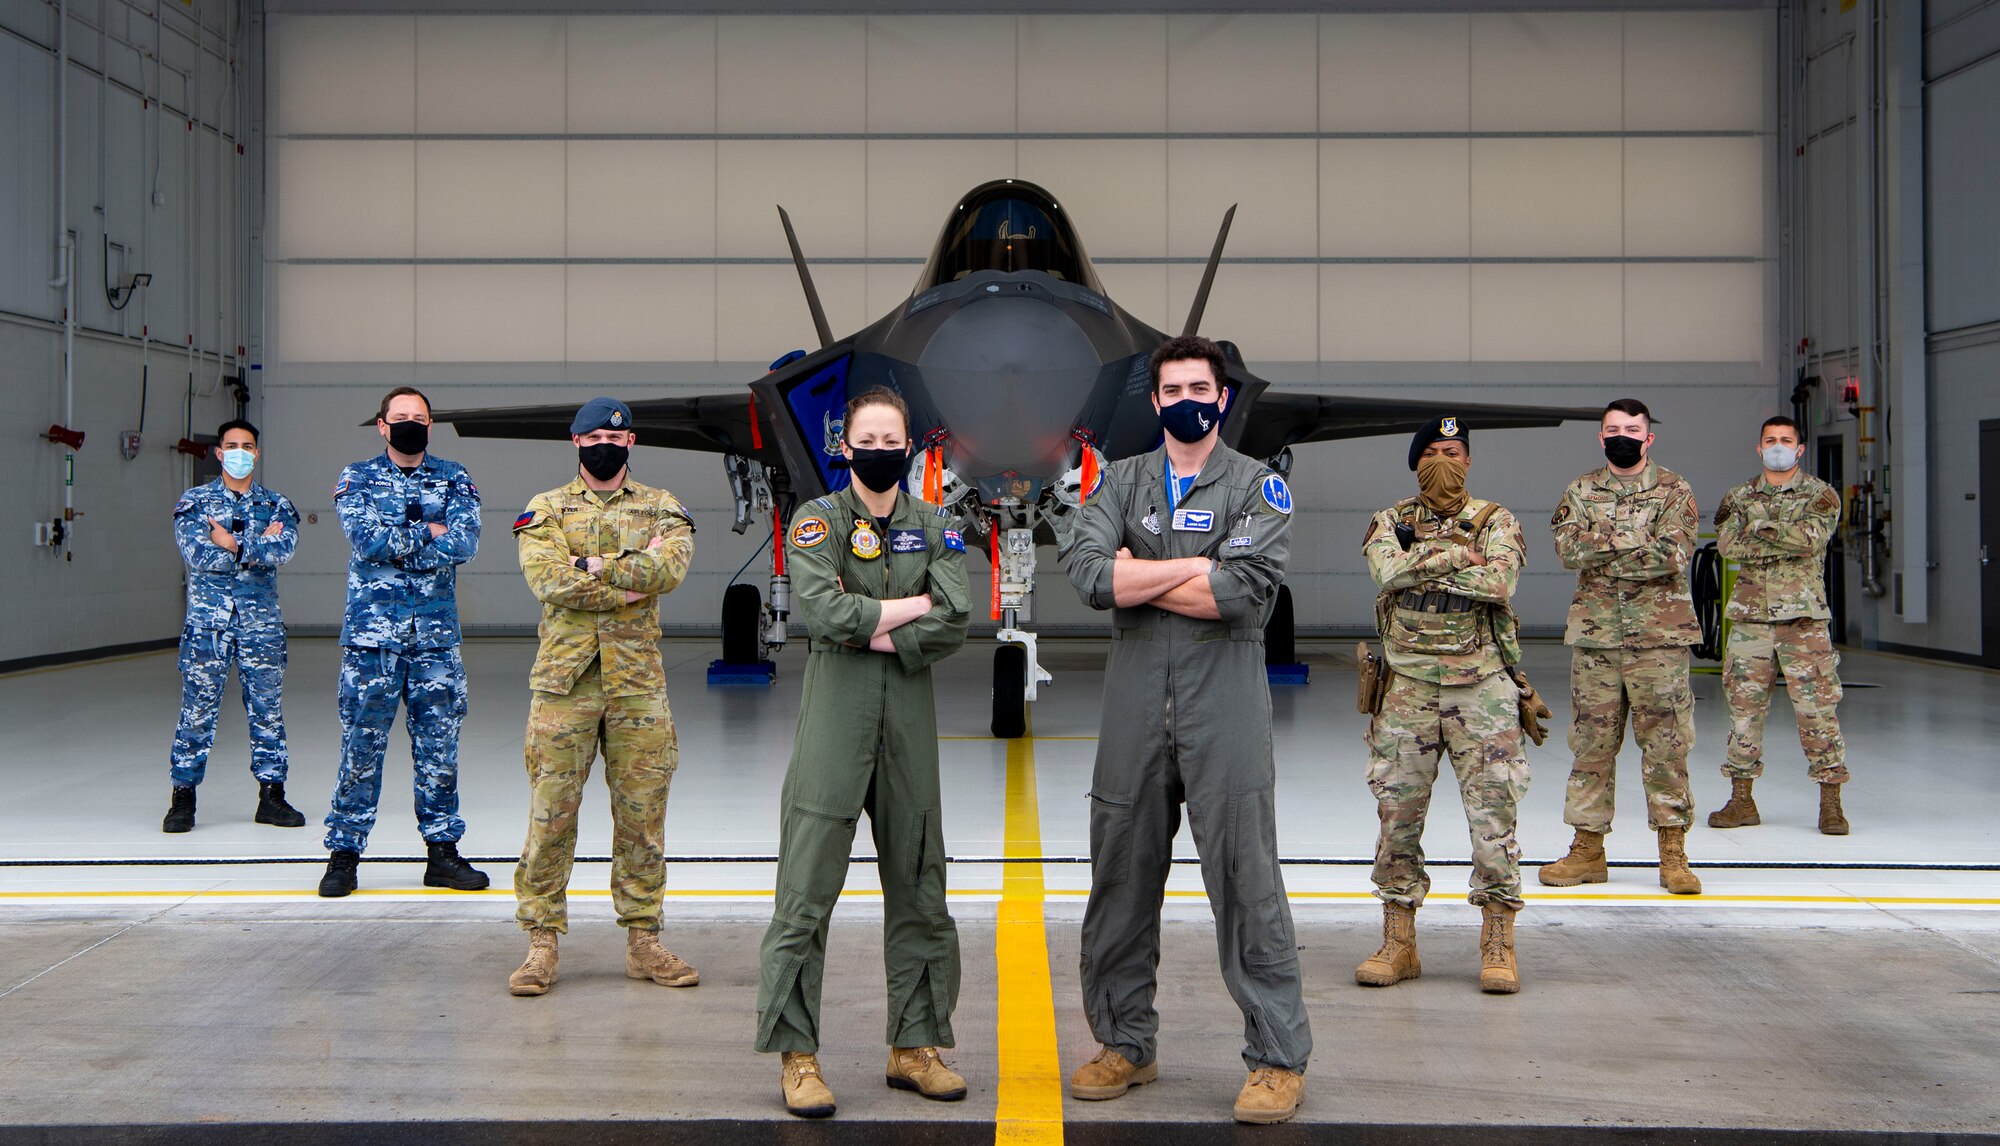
<point x="65" y="436"/>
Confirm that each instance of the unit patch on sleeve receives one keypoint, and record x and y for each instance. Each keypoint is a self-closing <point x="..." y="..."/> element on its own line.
<point x="342" y="486"/>
<point x="524" y="521"/>
<point x="954" y="540"/>
<point x="1277" y="494"/>
<point x="808" y="533"/>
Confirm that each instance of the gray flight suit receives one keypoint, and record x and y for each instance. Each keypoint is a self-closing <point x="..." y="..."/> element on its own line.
<point x="1187" y="718"/>
<point x="867" y="741"/>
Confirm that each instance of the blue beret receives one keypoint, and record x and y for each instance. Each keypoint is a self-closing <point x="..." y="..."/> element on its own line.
<point x="602" y="414"/>
<point x="1441" y="429"/>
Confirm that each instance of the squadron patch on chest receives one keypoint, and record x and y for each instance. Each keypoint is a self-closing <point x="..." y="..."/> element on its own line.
<point x="865" y="542"/>
<point x="907" y="541"/>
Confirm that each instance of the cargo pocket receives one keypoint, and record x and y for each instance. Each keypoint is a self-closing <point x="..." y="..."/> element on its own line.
<point x="1110" y="839"/>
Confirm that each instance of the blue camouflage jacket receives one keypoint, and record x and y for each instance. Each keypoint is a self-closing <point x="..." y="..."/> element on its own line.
<point x="226" y="590"/>
<point x="402" y="582"/>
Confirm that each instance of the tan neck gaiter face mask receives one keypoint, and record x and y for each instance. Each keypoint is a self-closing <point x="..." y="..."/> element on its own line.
<point x="1441" y="484"/>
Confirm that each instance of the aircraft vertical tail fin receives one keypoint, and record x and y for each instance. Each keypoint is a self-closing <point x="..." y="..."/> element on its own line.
<point x="812" y="293"/>
<point x="1208" y="275"/>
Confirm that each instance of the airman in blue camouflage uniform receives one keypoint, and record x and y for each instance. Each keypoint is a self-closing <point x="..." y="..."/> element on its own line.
<point x="233" y="534"/>
<point x="412" y="520"/>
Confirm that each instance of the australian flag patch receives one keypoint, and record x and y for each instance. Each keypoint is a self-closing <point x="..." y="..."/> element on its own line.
<point x="954" y="540"/>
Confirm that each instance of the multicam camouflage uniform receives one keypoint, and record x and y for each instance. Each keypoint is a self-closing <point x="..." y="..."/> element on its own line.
<point x="399" y="639"/>
<point x="597" y="677"/>
<point x="232" y="614"/>
<point x="1630" y="540"/>
<point x="1448" y="634"/>
<point x="1777" y="535"/>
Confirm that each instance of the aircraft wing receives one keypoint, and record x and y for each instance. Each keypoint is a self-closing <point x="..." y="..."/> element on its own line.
<point x="711" y="423"/>
<point x="1277" y="420"/>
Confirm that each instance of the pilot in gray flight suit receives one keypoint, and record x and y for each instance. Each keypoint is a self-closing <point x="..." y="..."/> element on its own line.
<point x="1189" y="563"/>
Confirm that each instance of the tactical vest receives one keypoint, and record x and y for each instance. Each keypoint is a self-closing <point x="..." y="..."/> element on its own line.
<point x="1441" y="623"/>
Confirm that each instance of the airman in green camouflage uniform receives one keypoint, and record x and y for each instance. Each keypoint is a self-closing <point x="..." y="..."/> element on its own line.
<point x="1629" y="531"/>
<point x="1446" y="565"/>
<point x="598" y="553"/>
<point x="1776" y="528"/>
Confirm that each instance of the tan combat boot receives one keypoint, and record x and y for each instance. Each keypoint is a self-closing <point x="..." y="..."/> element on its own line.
<point x="922" y="1070"/>
<point x="806" y="1093"/>
<point x="1584" y="863"/>
<point x="538" y="973"/>
<point x="1675" y="874"/>
<point x="1832" y="821"/>
<point x="646" y="959"/>
<point x="1109" y="1075"/>
<point x="1740" y="811"/>
<point x="1497" y="973"/>
<point x="1397" y="960"/>
<point x="1270" y="1094"/>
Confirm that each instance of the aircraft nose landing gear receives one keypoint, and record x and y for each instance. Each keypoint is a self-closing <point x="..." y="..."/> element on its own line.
<point x="1017" y="672"/>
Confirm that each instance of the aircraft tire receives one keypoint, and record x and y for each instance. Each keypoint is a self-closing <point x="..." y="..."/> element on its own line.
<point x="742" y="611"/>
<point x="1280" y="648"/>
<point x="1010" y="692"/>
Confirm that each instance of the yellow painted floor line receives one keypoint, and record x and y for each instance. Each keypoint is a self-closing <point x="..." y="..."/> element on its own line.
<point x="1029" y="1107"/>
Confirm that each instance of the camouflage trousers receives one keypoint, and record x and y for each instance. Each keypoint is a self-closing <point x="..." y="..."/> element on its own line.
<point x="1651" y="686"/>
<point x="1803" y="651"/>
<point x="259" y="654"/>
<point x="641" y="752"/>
<point x="430" y="685"/>
<point x="1478" y="726"/>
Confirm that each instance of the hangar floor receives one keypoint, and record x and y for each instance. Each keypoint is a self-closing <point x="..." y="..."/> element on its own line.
<point x="154" y="985"/>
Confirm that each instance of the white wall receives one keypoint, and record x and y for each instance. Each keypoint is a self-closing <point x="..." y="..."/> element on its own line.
<point x="121" y="581"/>
<point x="1960" y="247"/>
<point x="1537" y="207"/>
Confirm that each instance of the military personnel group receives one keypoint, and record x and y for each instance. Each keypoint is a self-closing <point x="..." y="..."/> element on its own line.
<point x="1184" y="546"/>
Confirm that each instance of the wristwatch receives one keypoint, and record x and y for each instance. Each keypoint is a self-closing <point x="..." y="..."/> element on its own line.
<point x="582" y="563"/>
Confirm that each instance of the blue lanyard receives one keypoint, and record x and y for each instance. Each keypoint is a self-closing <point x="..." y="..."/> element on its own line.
<point x="1178" y="487"/>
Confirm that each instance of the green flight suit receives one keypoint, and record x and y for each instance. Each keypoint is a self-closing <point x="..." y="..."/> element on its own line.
<point x="1187" y="718"/>
<point x="597" y="682"/>
<point x="866" y="742"/>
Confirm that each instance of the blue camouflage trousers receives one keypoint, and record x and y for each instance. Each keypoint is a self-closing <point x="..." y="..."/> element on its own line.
<point x="430" y="684"/>
<point x="259" y="655"/>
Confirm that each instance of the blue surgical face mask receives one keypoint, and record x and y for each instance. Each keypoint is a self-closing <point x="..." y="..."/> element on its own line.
<point x="1779" y="459"/>
<point x="1191" y="421"/>
<point x="238" y="463"/>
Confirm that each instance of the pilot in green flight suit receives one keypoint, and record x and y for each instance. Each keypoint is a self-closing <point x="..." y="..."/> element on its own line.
<point x="1187" y="546"/>
<point x="880" y="581"/>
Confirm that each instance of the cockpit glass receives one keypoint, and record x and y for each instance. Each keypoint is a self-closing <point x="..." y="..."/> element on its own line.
<point x="998" y="230"/>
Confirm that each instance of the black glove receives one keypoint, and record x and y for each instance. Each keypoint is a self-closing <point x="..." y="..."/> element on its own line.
<point x="1406" y="535"/>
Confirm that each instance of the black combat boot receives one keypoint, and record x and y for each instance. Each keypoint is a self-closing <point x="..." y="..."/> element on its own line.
<point x="448" y="869"/>
<point x="339" y="878"/>
<point x="180" y="814"/>
<point x="271" y="806"/>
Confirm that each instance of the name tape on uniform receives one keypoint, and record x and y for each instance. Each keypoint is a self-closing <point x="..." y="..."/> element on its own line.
<point x="1194" y="520"/>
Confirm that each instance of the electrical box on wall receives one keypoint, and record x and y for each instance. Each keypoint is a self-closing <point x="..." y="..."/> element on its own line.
<point x="128" y="444"/>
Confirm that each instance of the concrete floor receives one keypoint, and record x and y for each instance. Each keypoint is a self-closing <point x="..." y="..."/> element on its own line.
<point x="1848" y="998"/>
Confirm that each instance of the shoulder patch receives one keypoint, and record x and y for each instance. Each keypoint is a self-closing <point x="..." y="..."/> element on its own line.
<point x="341" y="487"/>
<point x="1562" y="514"/>
<point x="1827" y="500"/>
<point x="469" y="487"/>
<point x="954" y="540"/>
<point x="1276" y="493"/>
<point x="524" y="521"/>
<point x="809" y="532"/>
<point x="1374" y="527"/>
<point x="183" y="505"/>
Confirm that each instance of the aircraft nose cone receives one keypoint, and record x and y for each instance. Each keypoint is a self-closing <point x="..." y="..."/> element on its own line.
<point x="1010" y="376"/>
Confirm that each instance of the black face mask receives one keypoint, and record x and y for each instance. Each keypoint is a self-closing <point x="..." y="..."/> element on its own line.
<point x="409" y="437"/>
<point x="603" y="460"/>
<point x="1624" y="452"/>
<point x="879" y="470"/>
<point x="1191" y="421"/>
